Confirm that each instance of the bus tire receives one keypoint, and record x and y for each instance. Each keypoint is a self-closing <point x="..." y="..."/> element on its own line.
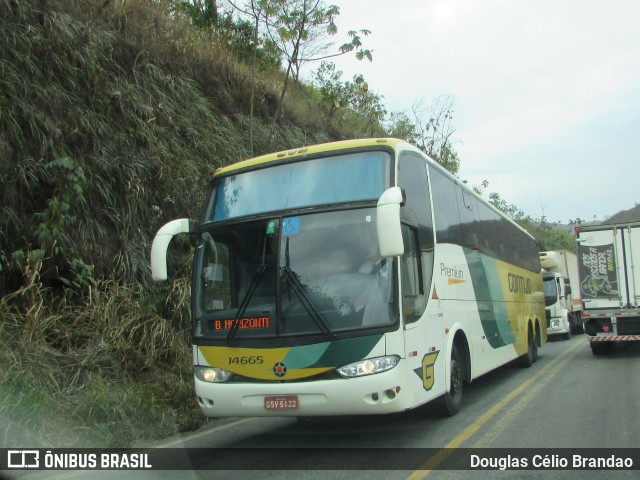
<point x="531" y="356"/>
<point x="451" y="401"/>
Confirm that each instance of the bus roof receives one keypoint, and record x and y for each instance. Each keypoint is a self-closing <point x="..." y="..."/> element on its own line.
<point x="284" y="155"/>
<point x="310" y="150"/>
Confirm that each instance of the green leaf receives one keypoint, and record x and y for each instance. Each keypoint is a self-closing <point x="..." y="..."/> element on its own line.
<point x="285" y="34"/>
<point x="346" y="47"/>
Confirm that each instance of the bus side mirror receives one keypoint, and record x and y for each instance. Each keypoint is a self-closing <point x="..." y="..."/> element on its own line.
<point x="161" y="243"/>
<point x="388" y="223"/>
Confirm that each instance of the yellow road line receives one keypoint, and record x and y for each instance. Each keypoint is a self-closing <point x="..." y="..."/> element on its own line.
<point x="519" y="406"/>
<point x="468" y="432"/>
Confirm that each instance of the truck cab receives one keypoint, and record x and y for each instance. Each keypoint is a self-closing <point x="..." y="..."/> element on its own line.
<point x="557" y="298"/>
<point x="563" y="307"/>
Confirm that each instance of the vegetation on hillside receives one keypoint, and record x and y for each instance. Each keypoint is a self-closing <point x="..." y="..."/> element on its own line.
<point x="112" y="117"/>
<point x="113" y="114"/>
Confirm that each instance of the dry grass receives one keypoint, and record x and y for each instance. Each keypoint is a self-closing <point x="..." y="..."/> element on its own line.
<point x="104" y="374"/>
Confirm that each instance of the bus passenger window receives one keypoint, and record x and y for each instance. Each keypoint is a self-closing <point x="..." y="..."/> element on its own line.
<point x="413" y="296"/>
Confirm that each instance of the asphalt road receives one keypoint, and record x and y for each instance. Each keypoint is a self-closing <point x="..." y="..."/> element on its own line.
<point x="568" y="401"/>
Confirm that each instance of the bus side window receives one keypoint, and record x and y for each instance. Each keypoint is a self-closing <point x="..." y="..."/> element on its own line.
<point x="413" y="296"/>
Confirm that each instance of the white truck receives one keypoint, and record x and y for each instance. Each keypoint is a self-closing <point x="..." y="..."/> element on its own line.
<point x="608" y="257"/>
<point x="562" y="302"/>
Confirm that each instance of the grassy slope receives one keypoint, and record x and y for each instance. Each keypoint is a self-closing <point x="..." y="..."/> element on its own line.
<point x="112" y="116"/>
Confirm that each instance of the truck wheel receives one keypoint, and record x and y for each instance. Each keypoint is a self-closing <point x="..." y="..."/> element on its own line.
<point x="577" y="327"/>
<point x="596" y="348"/>
<point x="600" y="348"/>
<point x="451" y="401"/>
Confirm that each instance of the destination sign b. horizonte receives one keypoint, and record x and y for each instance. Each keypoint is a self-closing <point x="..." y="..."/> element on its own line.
<point x="319" y="459"/>
<point x="242" y="323"/>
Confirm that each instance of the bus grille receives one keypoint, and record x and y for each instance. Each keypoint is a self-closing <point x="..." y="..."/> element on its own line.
<point x="329" y="375"/>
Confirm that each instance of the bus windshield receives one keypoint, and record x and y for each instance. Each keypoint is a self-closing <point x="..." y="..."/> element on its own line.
<point x="312" y="274"/>
<point x="344" y="178"/>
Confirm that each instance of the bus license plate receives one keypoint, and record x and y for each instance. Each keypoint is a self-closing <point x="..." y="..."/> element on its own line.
<point x="282" y="402"/>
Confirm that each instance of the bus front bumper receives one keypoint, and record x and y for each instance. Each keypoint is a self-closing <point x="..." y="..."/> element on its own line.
<point x="381" y="393"/>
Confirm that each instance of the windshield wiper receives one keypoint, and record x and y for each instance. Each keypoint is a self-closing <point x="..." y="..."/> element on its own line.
<point x="298" y="289"/>
<point x="245" y="301"/>
<point x="250" y="291"/>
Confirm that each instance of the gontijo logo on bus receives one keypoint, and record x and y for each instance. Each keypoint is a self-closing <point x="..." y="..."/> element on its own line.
<point x="519" y="284"/>
<point x="290" y="363"/>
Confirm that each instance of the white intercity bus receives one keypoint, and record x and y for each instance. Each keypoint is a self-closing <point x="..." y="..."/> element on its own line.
<point x="355" y="277"/>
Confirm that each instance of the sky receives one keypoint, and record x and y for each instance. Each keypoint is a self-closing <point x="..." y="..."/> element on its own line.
<point x="546" y="93"/>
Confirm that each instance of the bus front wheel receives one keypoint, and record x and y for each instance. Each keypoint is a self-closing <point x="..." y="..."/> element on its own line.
<point x="451" y="401"/>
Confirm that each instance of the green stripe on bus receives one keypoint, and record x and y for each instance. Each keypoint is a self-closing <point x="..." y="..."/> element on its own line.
<point x="331" y="354"/>
<point x="489" y="294"/>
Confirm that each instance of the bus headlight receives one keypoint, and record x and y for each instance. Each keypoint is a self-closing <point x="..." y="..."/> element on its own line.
<point x="369" y="366"/>
<point x="212" y="375"/>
